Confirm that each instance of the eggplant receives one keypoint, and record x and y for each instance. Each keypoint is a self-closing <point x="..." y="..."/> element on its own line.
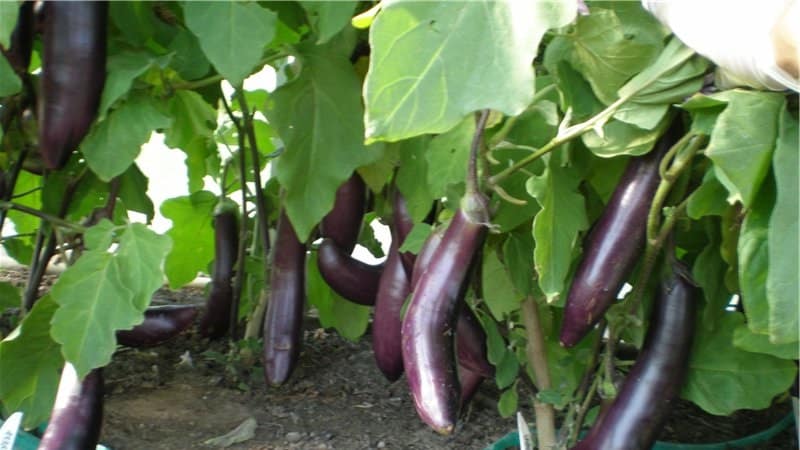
<point x="429" y="325"/>
<point x="21" y="45"/>
<point x="73" y="75"/>
<point x="354" y="280"/>
<point x="636" y="416"/>
<point x="426" y="253"/>
<point x="283" y="320"/>
<point x="161" y="323"/>
<point x="470" y="382"/>
<point x="217" y="317"/>
<point x="77" y="413"/>
<point x="402" y="223"/>
<point x="343" y="223"/>
<point x="393" y="290"/>
<point x="615" y="243"/>
<point x="471" y="347"/>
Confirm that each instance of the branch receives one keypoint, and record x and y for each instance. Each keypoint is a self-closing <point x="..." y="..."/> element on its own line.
<point x="54" y="220"/>
<point x="537" y="357"/>
<point x="472" y="167"/>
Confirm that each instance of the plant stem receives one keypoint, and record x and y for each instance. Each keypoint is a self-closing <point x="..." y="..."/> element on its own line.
<point x="203" y="82"/>
<point x="511" y="121"/>
<point x="537" y="358"/>
<point x="54" y="220"/>
<point x="238" y="281"/>
<point x="472" y="165"/>
<point x="587" y="376"/>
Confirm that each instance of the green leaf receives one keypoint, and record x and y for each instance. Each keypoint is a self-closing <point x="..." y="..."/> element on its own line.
<point x="328" y="18"/>
<point x="349" y="319"/>
<point x="742" y="142"/>
<point x="748" y="341"/>
<point x="507" y="370"/>
<point x="192" y="131"/>
<point x="416" y="238"/>
<point x="232" y="34"/>
<point x="447" y="157"/>
<point x="620" y="138"/>
<point x="722" y="378"/>
<point x="113" y="144"/>
<point x="30" y="363"/>
<point x="433" y="63"/>
<point x="192" y="235"/>
<point x="188" y="58"/>
<point x="670" y="78"/>
<point x="121" y="69"/>
<point x="556" y="226"/>
<point x="318" y="117"/>
<point x="536" y="125"/>
<point x="708" y="199"/>
<point x="100" y="236"/>
<point x="753" y="252"/>
<point x="9" y="296"/>
<point x="133" y="192"/>
<point x="140" y="256"/>
<point x="498" y="290"/>
<point x="782" y="235"/>
<point x="518" y="255"/>
<point x="10" y="83"/>
<point x="9" y="11"/>
<point x="507" y="404"/>
<point x="412" y="177"/>
<point x="709" y="272"/>
<point x="509" y="216"/>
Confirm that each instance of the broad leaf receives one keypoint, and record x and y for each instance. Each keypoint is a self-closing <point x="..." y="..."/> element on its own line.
<point x="498" y="290"/>
<point x="113" y="144"/>
<point x="782" y="234"/>
<point x="709" y="273"/>
<point x="556" y="226"/>
<point x="416" y="238"/>
<point x="722" y="378"/>
<point x="318" y="117"/>
<point x="328" y="18"/>
<point x="742" y="142"/>
<point x="9" y="296"/>
<point x="753" y="261"/>
<point x="140" y="256"/>
<point x="192" y="236"/>
<point x="232" y="34"/>
<point x="708" y="199"/>
<point x="509" y="216"/>
<point x="507" y="404"/>
<point x="620" y="138"/>
<point x="133" y="192"/>
<point x="30" y="363"/>
<point x="518" y="257"/>
<point x="349" y="319"/>
<point x="188" y="59"/>
<point x="748" y="341"/>
<point x="433" y="63"/>
<point x="9" y="11"/>
<point x="192" y="131"/>
<point x="10" y="83"/>
<point x="447" y="157"/>
<point x="122" y="68"/>
<point x="412" y="177"/>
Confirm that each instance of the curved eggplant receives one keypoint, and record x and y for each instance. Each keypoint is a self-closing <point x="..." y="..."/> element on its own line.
<point x="73" y="75"/>
<point x="402" y="223"/>
<point x="352" y="279"/>
<point x="283" y="320"/>
<point x="393" y="289"/>
<point x="470" y="382"/>
<point x="21" y="45"/>
<point x="161" y="323"/>
<point x="637" y="414"/>
<point x="77" y="413"/>
<point x="423" y="259"/>
<point x="430" y="321"/>
<point x="343" y="223"/>
<point x="217" y="317"/>
<point x="471" y="347"/>
<point x="615" y="243"/>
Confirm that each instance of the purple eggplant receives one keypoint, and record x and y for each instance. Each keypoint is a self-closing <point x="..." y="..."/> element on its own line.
<point x="283" y="321"/>
<point x="636" y="416"/>
<point x="217" y="317"/>
<point x="430" y="322"/>
<point x="393" y="289"/>
<point x="343" y="223"/>
<point x="77" y="413"/>
<point x="161" y="323"/>
<point x="426" y="253"/>
<point x="402" y="223"/>
<point x="470" y="382"/>
<point x="471" y="347"/>
<point x="73" y="75"/>
<point x="615" y="243"/>
<point x="354" y="280"/>
<point x="21" y="45"/>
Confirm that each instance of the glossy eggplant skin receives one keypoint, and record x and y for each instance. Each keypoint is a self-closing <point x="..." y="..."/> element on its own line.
<point x="393" y="290"/>
<point x="77" y="413"/>
<point x="426" y="253"/>
<point x="343" y="223"/>
<point x="73" y="75"/>
<point x="614" y="244"/>
<point x="161" y="323"/>
<point x="217" y="317"/>
<point x="402" y="223"/>
<point x="637" y="414"/>
<point x="470" y="382"/>
<point x="471" y="347"/>
<point x="352" y="279"/>
<point x="21" y="45"/>
<point x="283" y="322"/>
<point x="429" y="325"/>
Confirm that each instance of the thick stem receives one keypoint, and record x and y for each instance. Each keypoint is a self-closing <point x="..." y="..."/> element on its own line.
<point x="537" y="358"/>
<point x="238" y="281"/>
<point x="472" y="167"/>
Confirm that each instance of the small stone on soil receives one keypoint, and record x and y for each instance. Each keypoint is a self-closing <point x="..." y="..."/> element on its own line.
<point x="294" y="436"/>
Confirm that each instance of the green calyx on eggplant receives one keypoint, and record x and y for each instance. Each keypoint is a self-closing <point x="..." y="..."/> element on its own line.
<point x="615" y="243"/>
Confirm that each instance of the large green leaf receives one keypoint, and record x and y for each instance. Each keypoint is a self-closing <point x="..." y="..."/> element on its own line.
<point x="30" y="363"/>
<point x="447" y="157"/>
<point x="349" y="319"/>
<point x="133" y="192"/>
<point x="232" y="34"/>
<point x="10" y="83"/>
<point x="9" y="11"/>
<point x="412" y="176"/>
<point x="518" y="257"/>
<point x="709" y="273"/>
<point x="742" y="142"/>
<point x="708" y="199"/>
<point x="753" y="260"/>
<point x="318" y="117"/>
<point x="782" y="234"/>
<point x="621" y="138"/>
<point x="556" y="226"/>
<point x="192" y="236"/>
<point x="9" y="296"/>
<point x="748" y="341"/>
<point x="122" y="68"/>
<point x="113" y="144"/>
<point x="433" y="63"/>
<point x="498" y="290"/>
<point x="328" y="18"/>
<point x="723" y="378"/>
<point x="192" y="131"/>
<point x="141" y="255"/>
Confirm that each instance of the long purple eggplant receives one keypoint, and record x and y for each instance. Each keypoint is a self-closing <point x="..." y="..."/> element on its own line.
<point x="73" y="75"/>
<point x="217" y="317"/>
<point x="430" y="322"/>
<point x="637" y="414"/>
<point x="402" y="223"/>
<point x="354" y="280"/>
<point x="615" y="243"/>
<point x="470" y="382"/>
<point x="161" y="323"/>
<point x="393" y="290"/>
<point x="77" y="413"/>
<point x="343" y="223"/>
<point x="284" y="317"/>
<point x="21" y="45"/>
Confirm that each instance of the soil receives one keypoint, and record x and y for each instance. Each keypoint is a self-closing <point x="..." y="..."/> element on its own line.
<point x="187" y="391"/>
